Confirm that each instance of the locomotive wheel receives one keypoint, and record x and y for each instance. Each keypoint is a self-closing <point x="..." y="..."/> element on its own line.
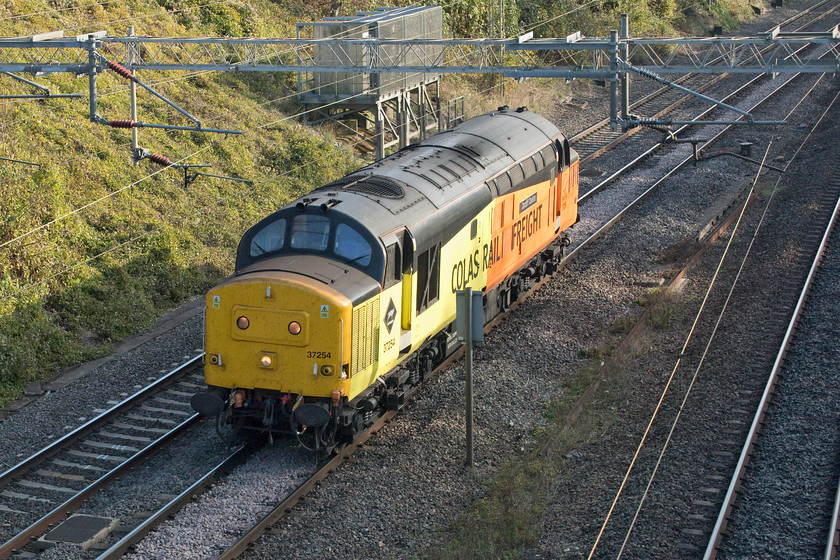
<point x="504" y="300"/>
<point x="232" y="435"/>
<point x="227" y="427"/>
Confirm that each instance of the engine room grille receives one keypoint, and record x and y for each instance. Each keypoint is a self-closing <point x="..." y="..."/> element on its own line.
<point x="370" y="185"/>
<point x="365" y="336"/>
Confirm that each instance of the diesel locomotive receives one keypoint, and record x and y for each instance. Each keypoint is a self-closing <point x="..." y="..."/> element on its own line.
<point x="344" y="300"/>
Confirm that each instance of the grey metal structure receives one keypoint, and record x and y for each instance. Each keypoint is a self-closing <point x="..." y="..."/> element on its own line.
<point x="572" y="57"/>
<point x="412" y="23"/>
<point x="399" y="102"/>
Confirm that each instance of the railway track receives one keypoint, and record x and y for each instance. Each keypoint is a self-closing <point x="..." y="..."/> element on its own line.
<point x="720" y="408"/>
<point x="784" y="493"/>
<point x="270" y="519"/>
<point x="47" y="487"/>
<point x="598" y="139"/>
<point x="175" y="504"/>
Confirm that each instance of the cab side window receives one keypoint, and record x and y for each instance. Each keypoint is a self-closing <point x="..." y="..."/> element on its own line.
<point x="392" y="265"/>
<point x="428" y="277"/>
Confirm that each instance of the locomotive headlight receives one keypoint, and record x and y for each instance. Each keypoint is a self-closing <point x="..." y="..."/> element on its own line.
<point x="243" y="322"/>
<point x="327" y="370"/>
<point x="294" y="327"/>
<point x="268" y="360"/>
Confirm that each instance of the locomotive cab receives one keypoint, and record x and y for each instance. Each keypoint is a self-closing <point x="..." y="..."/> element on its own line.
<point x="280" y="328"/>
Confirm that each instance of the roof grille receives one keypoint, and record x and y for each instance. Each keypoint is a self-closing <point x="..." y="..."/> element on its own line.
<point x="369" y="185"/>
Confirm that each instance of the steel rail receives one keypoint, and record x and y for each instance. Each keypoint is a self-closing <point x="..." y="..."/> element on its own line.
<point x="607" y="225"/>
<point x="600" y="128"/>
<point x="604" y="183"/>
<point x="832" y="544"/>
<point x="650" y="151"/>
<point x="236" y="458"/>
<point x="64" y="510"/>
<point x="284" y="507"/>
<point x="344" y="455"/>
<point x="603" y="228"/>
<point x="288" y="503"/>
<point x="34" y="460"/>
<point x="60" y="512"/>
<point x="749" y="444"/>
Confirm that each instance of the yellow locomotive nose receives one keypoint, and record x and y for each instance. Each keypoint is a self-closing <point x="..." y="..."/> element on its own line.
<point x="278" y="343"/>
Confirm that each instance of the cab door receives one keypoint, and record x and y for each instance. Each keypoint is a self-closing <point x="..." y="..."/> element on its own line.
<point x="408" y="289"/>
<point x="391" y="308"/>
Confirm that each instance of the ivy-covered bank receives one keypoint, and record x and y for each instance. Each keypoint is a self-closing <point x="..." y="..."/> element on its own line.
<point x="94" y="249"/>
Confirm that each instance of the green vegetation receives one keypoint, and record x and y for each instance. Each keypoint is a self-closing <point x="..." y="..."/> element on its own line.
<point x="508" y="519"/>
<point x="93" y="248"/>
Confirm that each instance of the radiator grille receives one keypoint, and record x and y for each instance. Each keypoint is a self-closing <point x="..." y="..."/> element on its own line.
<point x="365" y="336"/>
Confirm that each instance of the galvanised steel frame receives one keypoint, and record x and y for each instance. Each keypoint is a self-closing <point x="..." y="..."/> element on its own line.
<point x="572" y="57"/>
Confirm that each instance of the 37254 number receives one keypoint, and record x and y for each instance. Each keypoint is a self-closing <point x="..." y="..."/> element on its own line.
<point x="318" y="355"/>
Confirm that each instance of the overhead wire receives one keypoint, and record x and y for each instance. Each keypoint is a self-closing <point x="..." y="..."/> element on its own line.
<point x="78" y="209"/>
<point x="688" y="339"/>
<point x="133" y="18"/>
<point x="48" y="224"/>
<point x="725" y="304"/>
<point x="128" y="242"/>
<point x="148" y="176"/>
<point x="213" y="204"/>
<point x="122" y="88"/>
<point x="170" y="80"/>
<point x="558" y="16"/>
<point x="196" y="73"/>
<point x="56" y="10"/>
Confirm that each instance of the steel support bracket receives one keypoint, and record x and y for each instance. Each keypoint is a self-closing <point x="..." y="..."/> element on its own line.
<point x="46" y="95"/>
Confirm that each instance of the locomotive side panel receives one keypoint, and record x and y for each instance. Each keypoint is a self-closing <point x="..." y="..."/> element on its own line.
<point x="441" y="270"/>
<point x="376" y="331"/>
<point x="438" y="273"/>
<point x="523" y="224"/>
<point x="568" y="211"/>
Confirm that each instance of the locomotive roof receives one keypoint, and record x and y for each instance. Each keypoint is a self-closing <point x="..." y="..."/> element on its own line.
<point x="417" y="186"/>
<point x="433" y="188"/>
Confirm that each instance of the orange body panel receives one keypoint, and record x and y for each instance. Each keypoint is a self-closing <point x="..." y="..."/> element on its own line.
<point x="527" y="220"/>
<point x="567" y="201"/>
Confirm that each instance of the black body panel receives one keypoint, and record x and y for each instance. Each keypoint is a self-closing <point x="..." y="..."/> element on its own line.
<point x="353" y="283"/>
